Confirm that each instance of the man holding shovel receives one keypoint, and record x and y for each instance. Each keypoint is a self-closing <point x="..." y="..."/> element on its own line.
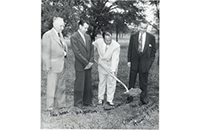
<point x="108" y="51"/>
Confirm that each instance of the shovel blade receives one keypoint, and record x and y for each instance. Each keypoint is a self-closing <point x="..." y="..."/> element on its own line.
<point x="133" y="92"/>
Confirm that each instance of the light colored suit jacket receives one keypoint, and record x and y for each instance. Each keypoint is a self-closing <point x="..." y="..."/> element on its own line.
<point x="109" y="59"/>
<point x="53" y="51"/>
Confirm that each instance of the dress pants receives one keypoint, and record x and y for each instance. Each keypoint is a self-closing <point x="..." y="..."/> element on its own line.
<point x="56" y="91"/>
<point x="143" y="79"/>
<point x="83" y="88"/>
<point x="108" y="81"/>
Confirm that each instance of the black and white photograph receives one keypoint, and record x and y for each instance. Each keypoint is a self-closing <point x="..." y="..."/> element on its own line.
<point x="100" y="64"/>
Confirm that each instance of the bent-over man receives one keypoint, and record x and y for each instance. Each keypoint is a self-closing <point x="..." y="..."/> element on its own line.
<point x="108" y="51"/>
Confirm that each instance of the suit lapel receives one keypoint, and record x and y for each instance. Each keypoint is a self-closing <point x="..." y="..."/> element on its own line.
<point x="136" y="41"/>
<point x="81" y="40"/>
<point x="55" y="37"/>
<point x="87" y="42"/>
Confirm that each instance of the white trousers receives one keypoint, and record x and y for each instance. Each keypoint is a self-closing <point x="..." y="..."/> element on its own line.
<point x="106" y="81"/>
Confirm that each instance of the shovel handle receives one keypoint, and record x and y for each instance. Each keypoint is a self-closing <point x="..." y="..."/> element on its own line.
<point x="113" y="76"/>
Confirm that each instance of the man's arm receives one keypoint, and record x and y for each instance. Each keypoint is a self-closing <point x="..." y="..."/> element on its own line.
<point x="46" y="49"/>
<point x="94" y="44"/>
<point x="65" y="47"/>
<point x="115" y="59"/>
<point x="91" y="51"/>
<point x="153" y="50"/>
<point x="129" y="51"/>
<point x="91" y="60"/>
<point x="77" y="52"/>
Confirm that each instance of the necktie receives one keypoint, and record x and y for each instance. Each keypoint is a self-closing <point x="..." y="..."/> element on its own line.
<point x="60" y="40"/>
<point x="140" y="43"/>
<point x="106" y="48"/>
<point x="64" y="47"/>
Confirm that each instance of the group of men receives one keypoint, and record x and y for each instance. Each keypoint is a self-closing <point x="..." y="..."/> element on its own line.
<point x="141" y="54"/>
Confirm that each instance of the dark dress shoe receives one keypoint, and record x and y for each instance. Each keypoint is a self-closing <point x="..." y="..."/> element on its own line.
<point x="80" y="106"/>
<point x="144" y="101"/>
<point x="91" y="105"/>
<point x="129" y="99"/>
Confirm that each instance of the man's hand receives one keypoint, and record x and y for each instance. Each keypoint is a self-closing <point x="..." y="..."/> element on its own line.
<point x="114" y="73"/>
<point x="65" y="53"/>
<point x="129" y="64"/>
<point x="88" y="66"/>
<point x="48" y="70"/>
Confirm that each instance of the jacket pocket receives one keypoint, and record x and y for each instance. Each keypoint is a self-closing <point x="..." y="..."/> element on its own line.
<point x="57" y="65"/>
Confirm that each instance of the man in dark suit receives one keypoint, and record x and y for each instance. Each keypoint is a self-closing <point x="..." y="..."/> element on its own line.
<point x="84" y="55"/>
<point x="141" y="54"/>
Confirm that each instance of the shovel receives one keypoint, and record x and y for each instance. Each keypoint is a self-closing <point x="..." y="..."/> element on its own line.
<point x="132" y="92"/>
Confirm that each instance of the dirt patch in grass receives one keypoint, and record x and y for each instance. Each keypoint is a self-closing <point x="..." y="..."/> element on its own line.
<point x="121" y="116"/>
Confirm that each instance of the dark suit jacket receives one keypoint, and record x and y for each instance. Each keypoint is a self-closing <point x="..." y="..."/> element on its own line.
<point x="83" y="54"/>
<point x="146" y="58"/>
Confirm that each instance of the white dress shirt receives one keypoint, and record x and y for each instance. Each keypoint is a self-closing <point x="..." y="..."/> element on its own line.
<point x="143" y="40"/>
<point x="82" y="35"/>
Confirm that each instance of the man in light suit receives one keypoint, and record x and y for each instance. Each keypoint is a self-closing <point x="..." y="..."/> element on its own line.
<point x="108" y="51"/>
<point x="84" y="55"/>
<point x="54" y="50"/>
<point x="141" y="54"/>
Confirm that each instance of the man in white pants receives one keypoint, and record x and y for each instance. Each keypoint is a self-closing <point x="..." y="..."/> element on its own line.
<point x="108" y="51"/>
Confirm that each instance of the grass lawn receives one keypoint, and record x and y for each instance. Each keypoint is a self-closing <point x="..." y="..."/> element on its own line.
<point x="121" y="116"/>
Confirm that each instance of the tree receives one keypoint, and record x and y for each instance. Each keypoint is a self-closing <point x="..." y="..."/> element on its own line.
<point x="119" y="25"/>
<point x="157" y="17"/>
<point x="114" y="17"/>
<point x="130" y="10"/>
<point x="101" y="14"/>
<point x="127" y="13"/>
<point x="61" y="8"/>
<point x="156" y="13"/>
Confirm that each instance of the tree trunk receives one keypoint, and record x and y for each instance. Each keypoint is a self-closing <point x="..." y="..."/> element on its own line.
<point x="117" y="34"/>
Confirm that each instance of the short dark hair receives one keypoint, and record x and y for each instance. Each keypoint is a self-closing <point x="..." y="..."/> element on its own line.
<point x="106" y="33"/>
<point x="81" y="22"/>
